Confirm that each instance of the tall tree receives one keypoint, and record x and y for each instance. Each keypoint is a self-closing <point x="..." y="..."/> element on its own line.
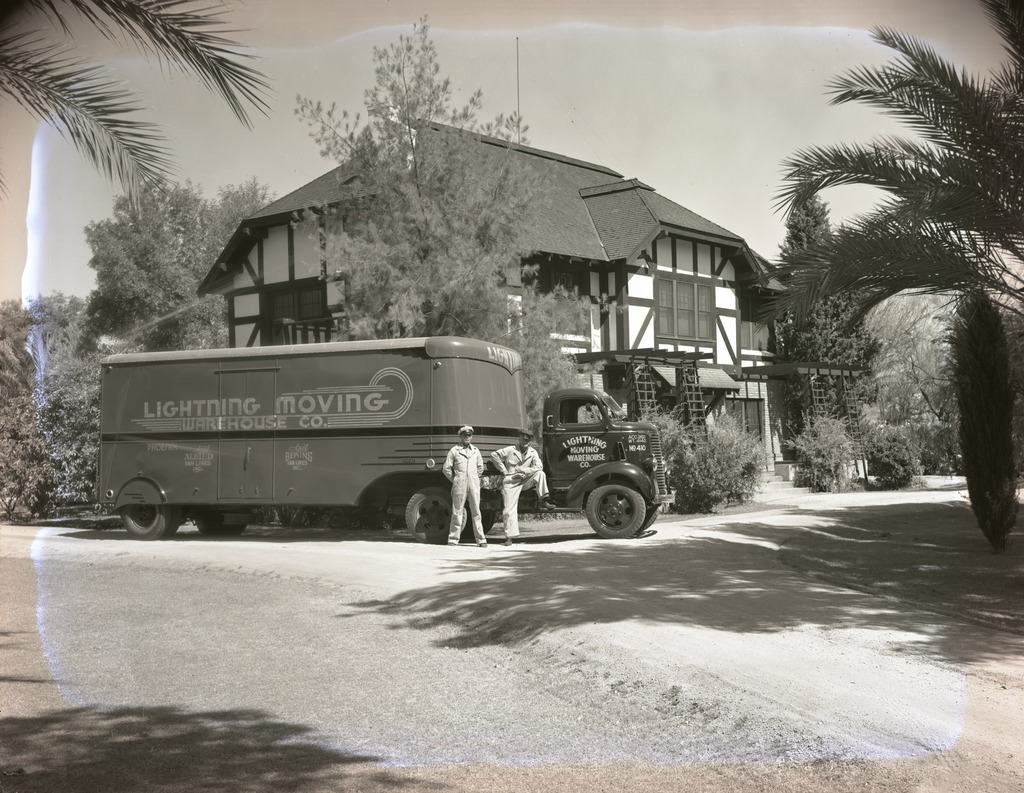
<point x="911" y="370"/>
<point x="831" y="331"/>
<point x="986" y="415"/>
<point x="15" y="360"/>
<point x="149" y="259"/>
<point x="90" y="106"/>
<point x="431" y="239"/>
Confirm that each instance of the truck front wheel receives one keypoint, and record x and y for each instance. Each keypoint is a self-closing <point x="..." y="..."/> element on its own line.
<point x="150" y="521"/>
<point x="615" y="511"/>
<point x="428" y="515"/>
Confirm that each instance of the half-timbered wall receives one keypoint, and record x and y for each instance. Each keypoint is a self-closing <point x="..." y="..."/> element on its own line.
<point x="640" y="310"/>
<point x="688" y="302"/>
<point x="282" y="255"/>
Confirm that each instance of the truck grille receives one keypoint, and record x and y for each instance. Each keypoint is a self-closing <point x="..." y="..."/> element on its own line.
<point x="659" y="458"/>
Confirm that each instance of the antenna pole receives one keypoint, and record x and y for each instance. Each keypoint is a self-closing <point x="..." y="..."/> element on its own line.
<point x="519" y="121"/>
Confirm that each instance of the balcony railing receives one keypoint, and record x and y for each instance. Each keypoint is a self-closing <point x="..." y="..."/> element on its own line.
<point x="306" y="331"/>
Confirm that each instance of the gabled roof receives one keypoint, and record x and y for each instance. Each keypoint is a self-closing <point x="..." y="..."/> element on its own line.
<point x="580" y="209"/>
<point x="627" y="214"/>
<point x="336" y="185"/>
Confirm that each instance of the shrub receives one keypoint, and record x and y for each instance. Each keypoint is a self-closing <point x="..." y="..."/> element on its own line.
<point x="675" y="434"/>
<point x="724" y="467"/>
<point x="826" y="454"/>
<point x="25" y="474"/>
<point x="939" y="449"/>
<point x="892" y="456"/>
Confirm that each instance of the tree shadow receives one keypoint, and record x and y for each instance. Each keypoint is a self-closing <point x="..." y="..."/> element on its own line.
<point x="858" y="567"/>
<point x="257" y="534"/>
<point x="127" y="750"/>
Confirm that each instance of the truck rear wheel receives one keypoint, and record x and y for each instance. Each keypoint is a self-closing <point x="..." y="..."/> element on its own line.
<point x="616" y="511"/>
<point x="150" y="521"/>
<point x="428" y="515"/>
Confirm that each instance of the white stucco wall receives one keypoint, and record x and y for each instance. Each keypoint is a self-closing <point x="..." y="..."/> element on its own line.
<point x="275" y="255"/>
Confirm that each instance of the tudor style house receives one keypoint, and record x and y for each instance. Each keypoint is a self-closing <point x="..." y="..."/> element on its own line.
<point x="673" y="295"/>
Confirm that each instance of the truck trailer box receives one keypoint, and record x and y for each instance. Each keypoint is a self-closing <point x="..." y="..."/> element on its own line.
<point x="208" y="434"/>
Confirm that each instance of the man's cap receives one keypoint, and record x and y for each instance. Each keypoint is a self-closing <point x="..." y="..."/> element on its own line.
<point x="465" y="429"/>
<point x="525" y="432"/>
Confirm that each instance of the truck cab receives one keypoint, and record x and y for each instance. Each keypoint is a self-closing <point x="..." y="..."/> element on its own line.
<point x="598" y="461"/>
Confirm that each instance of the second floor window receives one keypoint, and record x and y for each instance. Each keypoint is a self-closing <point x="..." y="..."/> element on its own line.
<point x="753" y="335"/>
<point x="297" y="305"/>
<point x="569" y="280"/>
<point x="685" y="310"/>
<point x="294" y="311"/>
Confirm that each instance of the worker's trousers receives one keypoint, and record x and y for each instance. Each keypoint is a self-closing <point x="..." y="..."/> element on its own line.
<point x="466" y="493"/>
<point x="510" y="498"/>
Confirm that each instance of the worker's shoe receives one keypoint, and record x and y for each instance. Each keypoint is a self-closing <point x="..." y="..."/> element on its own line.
<point x="481" y="544"/>
<point x="452" y="543"/>
<point x="545" y="505"/>
<point x="508" y="541"/>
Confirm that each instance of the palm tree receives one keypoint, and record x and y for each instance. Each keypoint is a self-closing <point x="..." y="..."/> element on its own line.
<point x="88" y="105"/>
<point x="952" y="219"/>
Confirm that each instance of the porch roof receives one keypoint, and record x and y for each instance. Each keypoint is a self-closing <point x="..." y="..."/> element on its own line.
<point x="709" y="377"/>
<point x="766" y="371"/>
<point x="644" y="355"/>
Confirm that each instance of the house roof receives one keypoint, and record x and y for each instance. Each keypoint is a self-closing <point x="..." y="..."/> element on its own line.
<point x="580" y="209"/>
<point x="336" y="185"/>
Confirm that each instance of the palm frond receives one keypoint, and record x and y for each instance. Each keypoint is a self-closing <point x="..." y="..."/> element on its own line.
<point x="936" y="100"/>
<point x="878" y="256"/>
<point x="179" y="34"/>
<point x="87" y="107"/>
<point x="887" y="164"/>
<point x="1007" y="17"/>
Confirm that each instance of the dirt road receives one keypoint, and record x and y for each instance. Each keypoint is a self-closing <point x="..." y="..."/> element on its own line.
<point x="858" y="642"/>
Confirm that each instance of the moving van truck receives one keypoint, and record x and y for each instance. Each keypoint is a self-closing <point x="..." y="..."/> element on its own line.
<point x="212" y="435"/>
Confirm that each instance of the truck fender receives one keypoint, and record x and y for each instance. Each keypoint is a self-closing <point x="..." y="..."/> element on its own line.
<point x="604" y="472"/>
<point x="141" y="490"/>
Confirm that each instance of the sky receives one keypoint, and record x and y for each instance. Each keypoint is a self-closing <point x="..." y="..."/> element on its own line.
<point x="700" y="99"/>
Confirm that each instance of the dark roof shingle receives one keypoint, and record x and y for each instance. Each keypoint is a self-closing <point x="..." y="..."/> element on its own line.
<point x="579" y="209"/>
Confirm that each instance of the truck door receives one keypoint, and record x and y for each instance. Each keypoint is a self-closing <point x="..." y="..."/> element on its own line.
<point x="574" y="437"/>
<point x="246" y="470"/>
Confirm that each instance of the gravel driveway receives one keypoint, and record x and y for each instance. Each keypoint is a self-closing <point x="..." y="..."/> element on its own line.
<point x="858" y="637"/>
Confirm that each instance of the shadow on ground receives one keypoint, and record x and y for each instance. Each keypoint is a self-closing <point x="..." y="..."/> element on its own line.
<point x="128" y="750"/>
<point x="921" y="569"/>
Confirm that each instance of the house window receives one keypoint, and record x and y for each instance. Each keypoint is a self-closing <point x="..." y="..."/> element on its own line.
<point x="753" y="335"/>
<point x="571" y="281"/>
<point x="685" y="310"/>
<point x="301" y="304"/>
<point x="298" y="304"/>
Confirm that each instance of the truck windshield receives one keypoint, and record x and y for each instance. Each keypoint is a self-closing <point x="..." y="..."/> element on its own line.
<point x="615" y="410"/>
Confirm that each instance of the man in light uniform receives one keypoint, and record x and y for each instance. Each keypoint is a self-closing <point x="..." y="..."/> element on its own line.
<point x="522" y="469"/>
<point x="463" y="467"/>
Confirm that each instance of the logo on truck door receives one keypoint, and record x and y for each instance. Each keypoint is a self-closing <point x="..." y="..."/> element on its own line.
<point x="584" y="450"/>
<point x="386" y="398"/>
